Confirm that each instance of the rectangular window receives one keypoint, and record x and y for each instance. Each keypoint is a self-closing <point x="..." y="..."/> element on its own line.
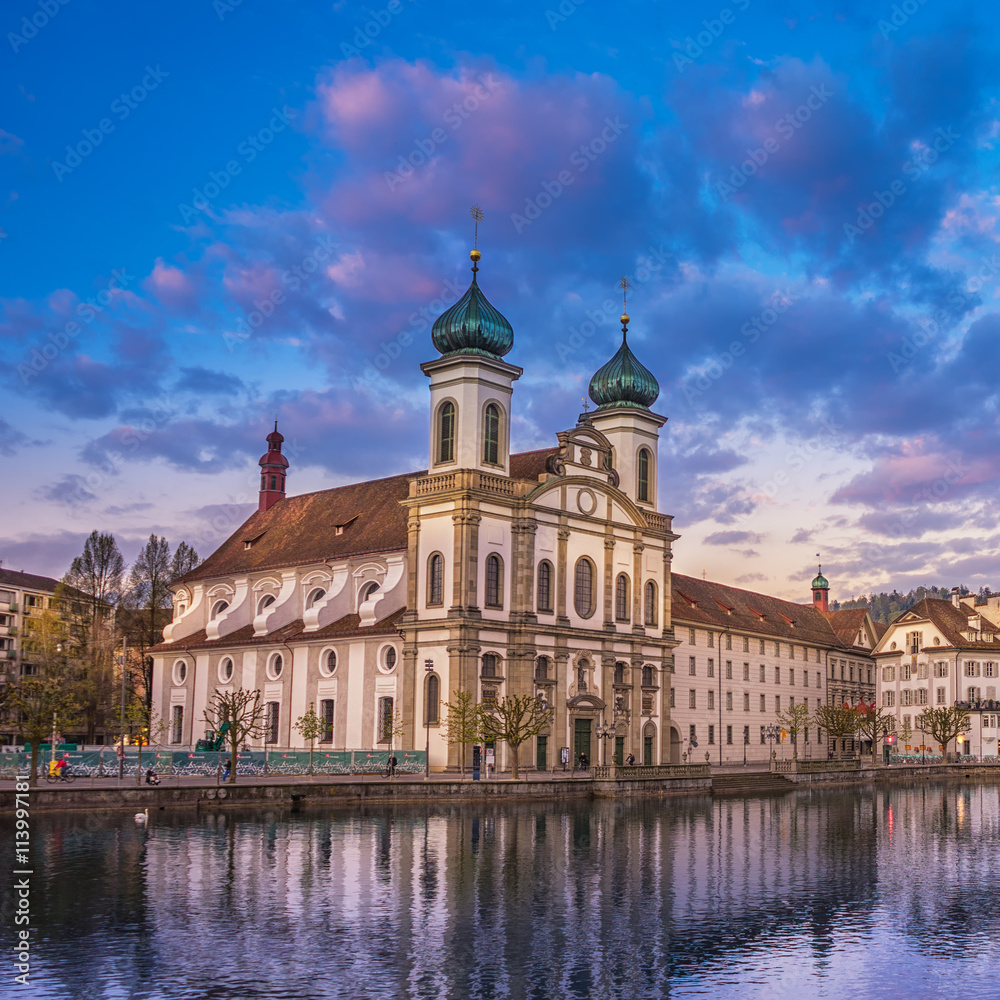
<point x="746" y="671"/>
<point x="973" y="694"/>
<point x="777" y="648"/>
<point x="326" y="715"/>
<point x="692" y="698"/>
<point x="385" y="719"/>
<point x="940" y="696"/>
<point x="729" y="736"/>
<point x="711" y="700"/>
<point x="941" y="669"/>
<point x="729" y="670"/>
<point x="710" y="637"/>
<point x="177" y="724"/>
<point x="729" y="701"/>
<point x="791" y="651"/>
<point x="791" y="676"/>
<point x="692" y="636"/>
<point x="777" y="703"/>
<point x="971" y="669"/>
<point x="746" y="701"/>
<point x="907" y="696"/>
<point x="673" y="703"/>
<point x="819" y="679"/>
<point x="763" y="673"/>
<point x="888" y="699"/>
<point x="692" y="734"/>
<point x="763" y="706"/>
<point x="729" y="641"/>
<point x="850" y="672"/>
<point x="746" y="644"/>
<point x="762" y="649"/>
<point x="791" y="702"/>
<point x="746" y="734"/>
<point x="711" y="734"/>
<point x="271" y="712"/>
<point x="692" y="666"/>
<point x="777" y="675"/>
<point x="922" y="696"/>
<point x="763" y="738"/>
<point x="989" y="670"/>
<point x="907" y="722"/>
<point x="711" y="667"/>
<point x="888" y="674"/>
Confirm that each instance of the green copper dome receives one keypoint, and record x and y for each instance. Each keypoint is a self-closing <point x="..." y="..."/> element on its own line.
<point x="472" y="325"/>
<point x="623" y="381"/>
<point x="820" y="582"/>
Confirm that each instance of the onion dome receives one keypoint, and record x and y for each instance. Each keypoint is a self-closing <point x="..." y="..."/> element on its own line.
<point x="820" y="582"/>
<point x="623" y="381"/>
<point x="472" y="325"/>
<point x="274" y="442"/>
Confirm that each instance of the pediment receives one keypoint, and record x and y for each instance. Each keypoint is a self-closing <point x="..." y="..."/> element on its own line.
<point x="586" y="496"/>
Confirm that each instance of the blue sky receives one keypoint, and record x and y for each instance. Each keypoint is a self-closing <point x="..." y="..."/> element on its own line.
<point x="266" y="204"/>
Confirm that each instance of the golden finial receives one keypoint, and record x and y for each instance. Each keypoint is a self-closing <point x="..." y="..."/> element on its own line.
<point x="625" y="285"/>
<point x="477" y="214"/>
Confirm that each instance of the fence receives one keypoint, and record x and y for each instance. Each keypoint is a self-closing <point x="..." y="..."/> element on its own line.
<point x="619" y="772"/>
<point x="105" y="763"/>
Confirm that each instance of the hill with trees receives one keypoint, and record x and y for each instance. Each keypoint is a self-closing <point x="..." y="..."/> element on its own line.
<point x="885" y="607"/>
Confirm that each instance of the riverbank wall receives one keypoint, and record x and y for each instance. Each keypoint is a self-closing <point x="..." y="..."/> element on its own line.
<point x="606" y="783"/>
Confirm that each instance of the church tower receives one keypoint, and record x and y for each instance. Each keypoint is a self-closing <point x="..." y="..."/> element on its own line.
<point x="471" y="384"/>
<point x="821" y="591"/>
<point x="273" y="469"/>
<point x="624" y="390"/>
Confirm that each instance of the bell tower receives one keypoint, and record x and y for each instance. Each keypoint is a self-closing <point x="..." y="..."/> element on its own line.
<point x="273" y="469"/>
<point x="821" y="591"/>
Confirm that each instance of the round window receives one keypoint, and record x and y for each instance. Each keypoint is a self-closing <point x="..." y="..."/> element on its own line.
<point x="275" y="667"/>
<point x="327" y="662"/>
<point x="387" y="659"/>
<point x="226" y="670"/>
<point x="180" y="671"/>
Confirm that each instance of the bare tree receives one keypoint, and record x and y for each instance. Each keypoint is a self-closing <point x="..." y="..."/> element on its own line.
<point x="98" y="572"/>
<point x="239" y="714"/>
<point x="839" y="721"/>
<point x="463" y="723"/>
<point x="793" y="721"/>
<point x="515" y="719"/>
<point x="944" y="724"/>
<point x="874" y="723"/>
<point x="185" y="559"/>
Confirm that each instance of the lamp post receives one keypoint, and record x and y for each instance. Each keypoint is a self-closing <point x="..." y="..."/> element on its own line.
<point x="605" y="732"/>
<point x="428" y="668"/>
<point x="771" y="733"/>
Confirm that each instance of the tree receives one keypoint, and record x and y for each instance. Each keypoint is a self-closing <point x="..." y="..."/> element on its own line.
<point x="38" y="704"/>
<point x="463" y="723"/>
<point x="145" y="601"/>
<point x="185" y="559"/>
<point x="839" y="721"/>
<point x="310" y="727"/>
<point x="515" y="719"/>
<point x="146" y="725"/>
<point x="944" y="724"/>
<point x="874" y="724"/>
<point x="793" y="721"/>
<point x="240" y="715"/>
<point x="98" y="573"/>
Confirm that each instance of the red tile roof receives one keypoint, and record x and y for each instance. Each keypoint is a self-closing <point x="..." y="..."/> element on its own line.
<point x="702" y="602"/>
<point x="847" y="623"/>
<point x="346" y="521"/>
<point x="950" y="621"/>
<point x="347" y="627"/>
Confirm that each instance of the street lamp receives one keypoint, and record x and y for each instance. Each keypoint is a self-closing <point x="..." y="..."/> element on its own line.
<point x="428" y="668"/>
<point x="605" y="732"/>
<point x="771" y="733"/>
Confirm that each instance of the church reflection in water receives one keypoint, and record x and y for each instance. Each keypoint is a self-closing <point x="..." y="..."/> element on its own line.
<point x="541" y="900"/>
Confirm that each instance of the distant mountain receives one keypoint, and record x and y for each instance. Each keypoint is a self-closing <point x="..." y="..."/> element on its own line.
<point x="886" y="607"/>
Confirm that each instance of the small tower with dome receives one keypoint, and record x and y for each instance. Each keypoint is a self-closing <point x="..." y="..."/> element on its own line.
<point x="624" y="390"/>
<point x="273" y="469"/>
<point x="821" y="590"/>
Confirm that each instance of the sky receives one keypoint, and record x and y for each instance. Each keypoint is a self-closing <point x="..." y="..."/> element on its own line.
<point x="215" y="214"/>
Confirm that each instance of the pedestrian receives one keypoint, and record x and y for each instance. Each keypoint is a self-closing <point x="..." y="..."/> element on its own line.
<point x="152" y="778"/>
<point x="393" y="763"/>
<point x="583" y="761"/>
<point x="630" y="760"/>
<point x="227" y="767"/>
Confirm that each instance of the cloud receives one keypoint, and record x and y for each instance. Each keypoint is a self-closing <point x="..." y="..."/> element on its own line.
<point x="202" y="381"/>
<point x="70" y="491"/>
<point x="733" y="538"/>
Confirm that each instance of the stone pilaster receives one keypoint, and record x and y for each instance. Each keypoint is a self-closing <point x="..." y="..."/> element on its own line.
<point x="637" y="587"/>
<point x="562" y="573"/>
<point x="609" y="581"/>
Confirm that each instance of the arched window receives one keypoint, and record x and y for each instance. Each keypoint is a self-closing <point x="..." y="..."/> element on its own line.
<point x="446" y="433"/>
<point x="274" y="482"/>
<point x="647" y="676"/>
<point x="491" y="435"/>
<point x="542" y="668"/>
<point x="494" y="582"/>
<point x="583" y="591"/>
<point x="219" y="607"/>
<point x="435" y="579"/>
<point x="317" y="595"/>
<point x="650" y="603"/>
<point x="366" y="591"/>
<point x="621" y="598"/>
<point x="489" y="665"/>
<point x="433" y="698"/>
<point x="264" y="603"/>
<point x="642" y="486"/>
<point x="545" y="586"/>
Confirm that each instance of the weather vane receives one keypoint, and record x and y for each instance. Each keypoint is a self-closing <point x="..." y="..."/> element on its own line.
<point x="625" y="285"/>
<point x="477" y="213"/>
<point x="586" y="403"/>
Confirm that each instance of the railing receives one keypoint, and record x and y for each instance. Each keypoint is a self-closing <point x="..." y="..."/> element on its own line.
<point x="622" y="772"/>
<point x="658" y="522"/>
<point x="498" y="484"/>
<point x="783" y="766"/>
<point x="434" y="484"/>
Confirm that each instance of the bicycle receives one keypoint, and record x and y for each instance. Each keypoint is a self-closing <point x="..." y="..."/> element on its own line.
<point x="63" y="774"/>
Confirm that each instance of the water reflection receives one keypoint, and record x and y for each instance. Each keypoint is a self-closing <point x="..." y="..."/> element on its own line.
<point x="812" y="894"/>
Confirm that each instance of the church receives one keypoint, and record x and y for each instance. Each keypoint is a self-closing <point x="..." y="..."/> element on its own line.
<point x="545" y="572"/>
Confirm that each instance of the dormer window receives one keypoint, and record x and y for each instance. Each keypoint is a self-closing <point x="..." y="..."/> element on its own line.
<point x="318" y="594"/>
<point x="367" y="591"/>
<point x="218" y="608"/>
<point x="264" y="603"/>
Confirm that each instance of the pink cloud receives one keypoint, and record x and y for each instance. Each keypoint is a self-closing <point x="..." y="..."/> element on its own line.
<point x="172" y="286"/>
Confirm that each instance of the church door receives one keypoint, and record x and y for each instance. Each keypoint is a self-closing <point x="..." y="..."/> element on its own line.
<point x="581" y="732"/>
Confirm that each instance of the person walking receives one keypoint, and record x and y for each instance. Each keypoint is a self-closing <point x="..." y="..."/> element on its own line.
<point x="227" y="767"/>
